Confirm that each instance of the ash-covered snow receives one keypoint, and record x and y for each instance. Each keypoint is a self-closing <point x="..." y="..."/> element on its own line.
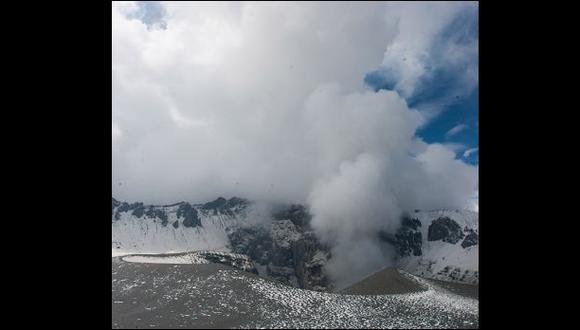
<point x="193" y="288"/>
<point x="432" y="308"/>
<point x="190" y="258"/>
<point x="215" y="296"/>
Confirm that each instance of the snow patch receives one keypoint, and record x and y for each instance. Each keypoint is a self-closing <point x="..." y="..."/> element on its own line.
<point x="179" y="259"/>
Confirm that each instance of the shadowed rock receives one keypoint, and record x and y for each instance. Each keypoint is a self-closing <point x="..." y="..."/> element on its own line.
<point x="408" y="238"/>
<point x="189" y="214"/>
<point x="153" y="213"/>
<point x="470" y="240"/>
<point x="446" y="230"/>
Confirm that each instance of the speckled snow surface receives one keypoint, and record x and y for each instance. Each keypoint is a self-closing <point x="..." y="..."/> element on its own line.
<point x="217" y="296"/>
<point x="189" y="258"/>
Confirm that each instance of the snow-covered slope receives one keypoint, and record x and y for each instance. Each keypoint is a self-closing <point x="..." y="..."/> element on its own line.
<point x="284" y="249"/>
<point x="174" y="228"/>
<point x="435" y="244"/>
<point x="449" y="246"/>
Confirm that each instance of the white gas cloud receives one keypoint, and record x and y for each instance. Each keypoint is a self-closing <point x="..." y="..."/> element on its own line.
<point x="455" y="129"/>
<point x="470" y="151"/>
<point x="428" y="48"/>
<point x="267" y="101"/>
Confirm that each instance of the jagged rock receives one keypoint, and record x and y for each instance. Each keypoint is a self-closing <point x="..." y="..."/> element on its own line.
<point x="139" y="211"/>
<point x="408" y="239"/>
<point x="115" y="203"/>
<point x="289" y="252"/>
<point x="189" y="214"/>
<point x="231" y="259"/>
<point x="470" y="240"/>
<point x="236" y="202"/>
<point x="156" y="213"/>
<point x="409" y="242"/>
<point x="125" y="207"/>
<point x="445" y="229"/>
<point x="282" y="256"/>
<point x="296" y="213"/>
<point x="223" y="206"/>
<point x="310" y="257"/>
<point x="215" y="205"/>
<point x="411" y="223"/>
<point x="253" y="242"/>
<point x="287" y="249"/>
<point x="458" y="228"/>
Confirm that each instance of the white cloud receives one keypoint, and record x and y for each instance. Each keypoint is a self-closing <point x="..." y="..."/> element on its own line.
<point x="421" y="50"/>
<point x="267" y="101"/>
<point x="117" y="133"/>
<point x="456" y="129"/>
<point x="475" y="205"/>
<point x="456" y="147"/>
<point x="468" y="152"/>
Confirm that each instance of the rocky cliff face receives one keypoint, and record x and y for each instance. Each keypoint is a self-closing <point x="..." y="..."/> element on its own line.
<point x="408" y="239"/>
<point x="180" y="227"/>
<point x="445" y="229"/>
<point x="287" y="250"/>
<point x="239" y="261"/>
<point x="438" y="244"/>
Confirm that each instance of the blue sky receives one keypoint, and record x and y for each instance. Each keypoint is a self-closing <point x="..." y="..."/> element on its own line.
<point x="465" y="113"/>
<point x="448" y="88"/>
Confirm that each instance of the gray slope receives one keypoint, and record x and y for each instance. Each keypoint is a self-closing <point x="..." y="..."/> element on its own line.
<point x="385" y="281"/>
<point x="217" y="296"/>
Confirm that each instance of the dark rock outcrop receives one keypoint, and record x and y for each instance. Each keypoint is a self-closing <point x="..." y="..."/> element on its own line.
<point x="139" y="211"/>
<point x="233" y="260"/>
<point x="254" y="242"/>
<point x="296" y="213"/>
<point x="189" y="214"/>
<point x="215" y="206"/>
<point x="470" y="240"/>
<point x="409" y="242"/>
<point x="155" y="213"/>
<point x="446" y="230"/>
<point x="310" y="257"/>
<point x="408" y="239"/>
<point x="235" y="202"/>
<point x="124" y="207"/>
<point x="287" y="250"/>
<point x="411" y="223"/>
<point x="223" y="206"/>
<point x="459" y="275"/>
<point x="115" y="204"/>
